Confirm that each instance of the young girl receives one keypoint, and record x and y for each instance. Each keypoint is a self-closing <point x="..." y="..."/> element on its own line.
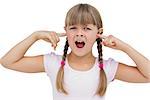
<point x="79" y="75"/>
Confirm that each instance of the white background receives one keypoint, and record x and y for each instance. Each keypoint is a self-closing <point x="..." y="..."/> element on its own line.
<point x="129" y="20"/>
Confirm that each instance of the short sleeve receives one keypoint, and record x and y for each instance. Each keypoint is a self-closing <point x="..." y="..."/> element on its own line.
<point x="110" y="67"/>
<point x="51" y="63"/>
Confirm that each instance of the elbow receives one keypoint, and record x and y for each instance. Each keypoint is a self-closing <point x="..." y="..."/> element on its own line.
<point x="149" y="78"/>
<point x="149" y="74"/>
<point x="4" y="63"/>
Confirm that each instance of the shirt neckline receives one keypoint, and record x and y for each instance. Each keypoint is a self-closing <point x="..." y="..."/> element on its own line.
<point x="79" y="71"/>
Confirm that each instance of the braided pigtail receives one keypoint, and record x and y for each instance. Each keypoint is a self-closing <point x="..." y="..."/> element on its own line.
<point x="103" y="79"/>
<point x="60" y="75"/>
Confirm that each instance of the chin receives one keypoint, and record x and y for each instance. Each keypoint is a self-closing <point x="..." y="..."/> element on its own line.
<point x="80" y="53"/>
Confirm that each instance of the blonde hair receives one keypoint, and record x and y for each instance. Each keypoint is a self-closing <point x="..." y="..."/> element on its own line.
<point x="83" y="14"/>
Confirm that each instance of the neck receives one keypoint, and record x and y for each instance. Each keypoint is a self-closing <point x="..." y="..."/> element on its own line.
<point x="78" y="61"/>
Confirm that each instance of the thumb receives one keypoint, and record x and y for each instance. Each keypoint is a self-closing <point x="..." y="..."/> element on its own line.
<point x="61" y="34"/>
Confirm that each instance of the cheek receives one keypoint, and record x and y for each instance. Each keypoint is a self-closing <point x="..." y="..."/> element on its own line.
<point x="70" y="39"/>
<point x="91" y="43"/>
<point x="69" y="36"/>
<point x="92" y="38"/>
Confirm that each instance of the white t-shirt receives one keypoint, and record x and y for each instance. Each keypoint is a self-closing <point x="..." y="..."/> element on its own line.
<point x="80" y="85"/>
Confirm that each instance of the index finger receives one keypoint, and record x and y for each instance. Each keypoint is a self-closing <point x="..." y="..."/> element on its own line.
<point x="101" y="36"/>
<point x="61" y="34"/>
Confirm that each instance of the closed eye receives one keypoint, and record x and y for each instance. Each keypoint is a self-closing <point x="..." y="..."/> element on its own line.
<point x="87" y="28"/>
<point x="72" y="28"/>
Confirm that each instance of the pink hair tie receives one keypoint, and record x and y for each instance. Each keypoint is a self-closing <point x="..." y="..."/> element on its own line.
<point x="62" y="63"/>
<point x="101" y="65"/>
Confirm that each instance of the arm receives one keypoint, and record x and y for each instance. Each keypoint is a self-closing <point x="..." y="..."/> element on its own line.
<point x="16" y="60"/>
<point x="130" y="74"/>
<point x="140" y="72"/>
<point x="142" y="69"/>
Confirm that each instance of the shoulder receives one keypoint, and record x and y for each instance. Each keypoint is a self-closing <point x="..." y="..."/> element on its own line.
<point x="52" y="56"/>
<point x="110" y="68"/>
<point x="110" y="62"/>
<point x="51" y="62"/>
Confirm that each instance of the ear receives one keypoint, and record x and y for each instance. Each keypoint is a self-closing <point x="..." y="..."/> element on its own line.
<point x="100" y="30"/>
<point x="65" y="28"/>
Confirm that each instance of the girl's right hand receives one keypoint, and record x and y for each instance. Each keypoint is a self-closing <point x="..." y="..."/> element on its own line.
<point x="49" y="36"/>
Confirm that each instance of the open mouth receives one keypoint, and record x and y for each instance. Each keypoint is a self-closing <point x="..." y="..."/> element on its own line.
<point x="80" y="44"/>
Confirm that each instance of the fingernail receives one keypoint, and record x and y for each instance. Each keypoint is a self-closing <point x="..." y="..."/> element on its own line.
<point x="97" y="36"/>
<point x="110" y="35"/>
<point x="55" y="48"/>
<point x="53" y="45"/>
<point x="103" y="43"/>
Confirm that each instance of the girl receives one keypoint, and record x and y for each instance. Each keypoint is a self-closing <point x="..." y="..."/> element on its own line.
<point x="79" y="75"/>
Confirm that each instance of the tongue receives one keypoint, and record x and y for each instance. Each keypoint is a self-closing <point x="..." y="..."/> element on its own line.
<point x="80" y="45"/>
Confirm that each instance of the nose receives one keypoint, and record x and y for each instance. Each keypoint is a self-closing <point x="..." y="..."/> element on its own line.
<point x="80" y="33"/>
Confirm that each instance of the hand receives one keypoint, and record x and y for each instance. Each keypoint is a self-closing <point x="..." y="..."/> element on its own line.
<point x="49" y="36"/>
<point x="112" y="42"/>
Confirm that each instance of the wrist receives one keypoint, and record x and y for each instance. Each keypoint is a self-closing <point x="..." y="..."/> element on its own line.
<point x="126" y="48"/>
<point x="34" y="36"/>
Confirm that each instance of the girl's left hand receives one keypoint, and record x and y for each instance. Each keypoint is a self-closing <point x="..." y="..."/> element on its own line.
<point x="112" y="42"/>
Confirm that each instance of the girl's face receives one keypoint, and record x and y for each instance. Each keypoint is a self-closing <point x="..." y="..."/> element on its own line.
<point x="81" y="38"/>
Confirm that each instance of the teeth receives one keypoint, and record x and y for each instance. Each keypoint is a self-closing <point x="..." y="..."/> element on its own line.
<point x="80" y="44"/>
<point x="79" y="41"/>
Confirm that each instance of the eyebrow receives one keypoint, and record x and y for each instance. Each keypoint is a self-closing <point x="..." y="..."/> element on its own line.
<point x="86" y="25"/>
